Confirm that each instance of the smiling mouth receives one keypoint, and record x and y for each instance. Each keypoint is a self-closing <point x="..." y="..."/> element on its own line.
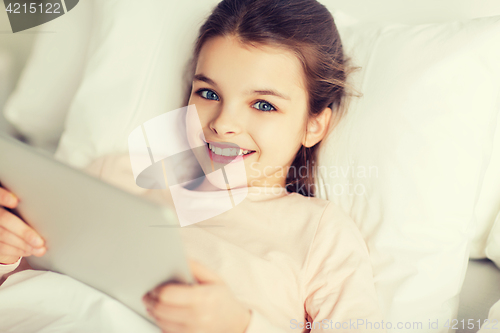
<point x="228" y="152"/>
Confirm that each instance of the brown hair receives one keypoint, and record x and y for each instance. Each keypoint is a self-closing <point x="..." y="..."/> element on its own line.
<point x="304" y="27"/>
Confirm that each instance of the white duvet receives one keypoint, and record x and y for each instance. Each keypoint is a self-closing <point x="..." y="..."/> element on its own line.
<point x="43" y="301"/>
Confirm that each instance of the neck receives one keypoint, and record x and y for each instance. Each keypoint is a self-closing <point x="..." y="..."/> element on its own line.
<point x="206" y="185"/>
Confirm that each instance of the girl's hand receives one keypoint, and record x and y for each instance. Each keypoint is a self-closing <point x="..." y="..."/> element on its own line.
<point x="202" y="308"/>
<point x="17" y="239"/>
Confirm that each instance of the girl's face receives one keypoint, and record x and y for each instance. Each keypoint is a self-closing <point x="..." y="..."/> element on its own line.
<point x="255" y="99"/>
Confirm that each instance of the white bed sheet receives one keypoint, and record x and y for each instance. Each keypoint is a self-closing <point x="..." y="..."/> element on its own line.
<point x="43" y="302"/>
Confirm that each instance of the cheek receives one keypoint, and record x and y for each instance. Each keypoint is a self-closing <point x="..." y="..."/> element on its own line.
<point x="202" y="116"/>
<point x="278" y="143"/>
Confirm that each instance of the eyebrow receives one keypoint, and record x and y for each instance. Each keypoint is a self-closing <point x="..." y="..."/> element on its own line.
<point x="201" y="77"/>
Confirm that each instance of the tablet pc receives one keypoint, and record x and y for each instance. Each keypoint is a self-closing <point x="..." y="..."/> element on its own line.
<point x="109" y="239"/>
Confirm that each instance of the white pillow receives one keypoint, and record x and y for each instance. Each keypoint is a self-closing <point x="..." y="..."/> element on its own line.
<point x="135" y="72"/>
<point x="38" y="105"/>
<point x="488" y="203"/>
<point x="408" y="161"/>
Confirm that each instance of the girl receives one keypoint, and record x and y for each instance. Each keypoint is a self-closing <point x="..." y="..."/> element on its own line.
<point x="268" y="78"/>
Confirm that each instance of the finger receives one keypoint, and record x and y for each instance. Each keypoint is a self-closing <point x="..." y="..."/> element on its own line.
<point x="203" y="274"/>
<point x="174" y="294"/>
<point x="167" y="327"/>
<point x="11" y="251"/>
<point x="8" y="199"/>
<point x="168" y="313"/>
<point x="10" y="260"/>
<point x="11" y="239"/>
<point x="20" y="228"/>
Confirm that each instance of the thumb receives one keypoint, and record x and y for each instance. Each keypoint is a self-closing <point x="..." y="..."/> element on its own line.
<point x="203" y="274"/>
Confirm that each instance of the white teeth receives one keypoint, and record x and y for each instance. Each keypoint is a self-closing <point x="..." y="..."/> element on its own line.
<point x="227" y="151"/>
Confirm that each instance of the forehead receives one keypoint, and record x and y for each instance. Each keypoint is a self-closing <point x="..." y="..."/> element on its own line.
<point x="227" y="61"/>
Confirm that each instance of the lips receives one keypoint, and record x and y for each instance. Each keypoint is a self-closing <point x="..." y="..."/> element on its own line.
<point x="223" y="145"/>
<point x="226" y="159"/>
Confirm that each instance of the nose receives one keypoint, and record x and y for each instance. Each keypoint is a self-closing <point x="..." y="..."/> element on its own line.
<point x="225" y="123"/>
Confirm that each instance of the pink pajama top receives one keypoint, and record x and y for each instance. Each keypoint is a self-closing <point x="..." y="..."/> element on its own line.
<point x="289" y="258"/>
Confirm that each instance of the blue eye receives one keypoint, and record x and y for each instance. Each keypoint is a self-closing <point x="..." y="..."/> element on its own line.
<point x="209" y="94"/>
<point x="266" y="106"/>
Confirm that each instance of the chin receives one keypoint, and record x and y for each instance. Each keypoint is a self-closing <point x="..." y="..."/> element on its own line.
<point x="216" y="180"/>
<point x="235" y="173"/>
